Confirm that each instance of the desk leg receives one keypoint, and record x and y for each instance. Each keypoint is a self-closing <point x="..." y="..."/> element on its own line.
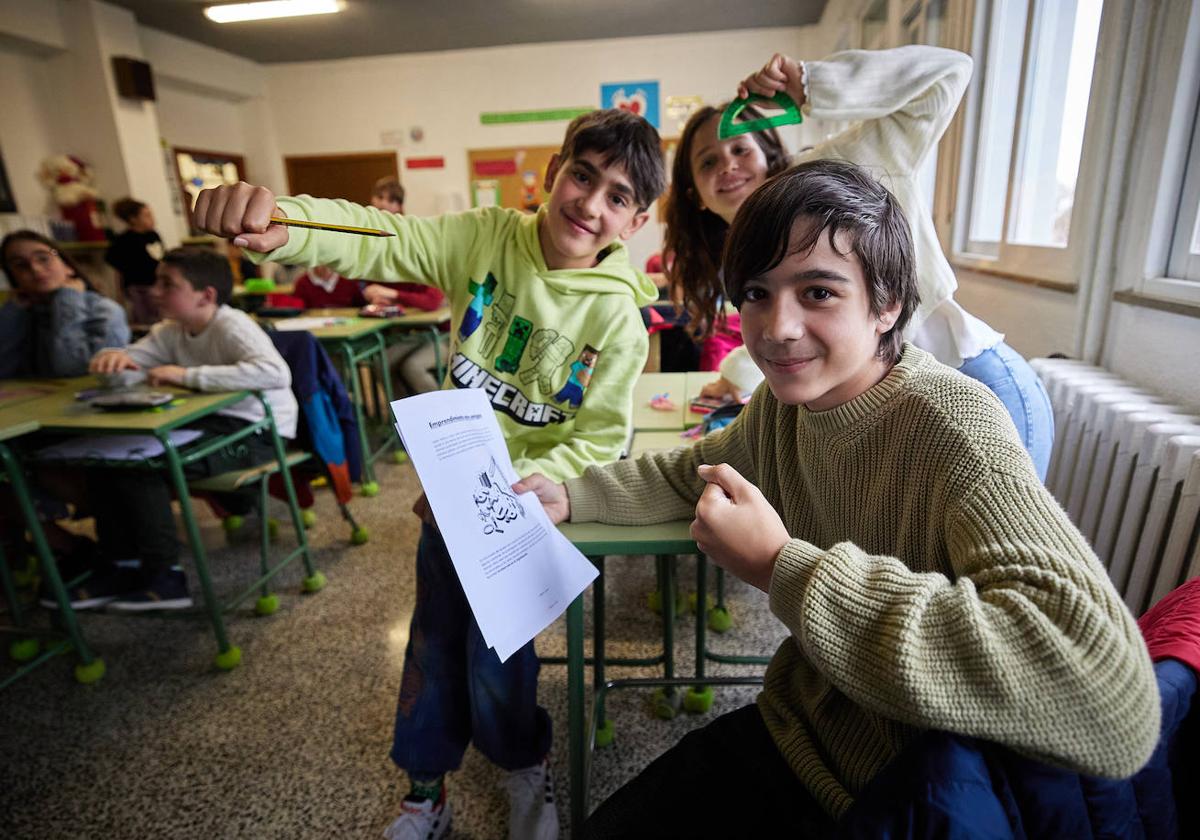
<point x="602" y="732"/>
<point x="577" y="738"/>
<point x="228" y="656"/>
<point x="369" y="487"/>
<point x="314" y="581"/>
<point x="91" y="667"/>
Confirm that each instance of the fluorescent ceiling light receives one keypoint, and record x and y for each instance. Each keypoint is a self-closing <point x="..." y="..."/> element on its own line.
<point x="238" y="12"/>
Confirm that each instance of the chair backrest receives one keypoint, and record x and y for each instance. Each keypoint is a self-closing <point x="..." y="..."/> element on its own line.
<point x="327" y="426"/>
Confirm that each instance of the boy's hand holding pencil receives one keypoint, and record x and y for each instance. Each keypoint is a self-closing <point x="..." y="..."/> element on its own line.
<point x="250" y="217"/>
<point x="241" y="212"/>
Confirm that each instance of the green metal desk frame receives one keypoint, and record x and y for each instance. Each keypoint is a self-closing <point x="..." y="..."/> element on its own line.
<point x="665" y="542"/>
<point x="228" y="656"/>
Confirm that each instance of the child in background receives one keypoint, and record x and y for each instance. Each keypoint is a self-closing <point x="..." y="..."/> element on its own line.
<point x="885" y="504"/>
<point x="323" y="288"/>
<point x="413" y="358"/>
<point x="900" y="102"/>
<point x="52" y="324"/>
<point x="204" y="345"/>
<point x="536" y="300"/>
<point x="135" y="254"/>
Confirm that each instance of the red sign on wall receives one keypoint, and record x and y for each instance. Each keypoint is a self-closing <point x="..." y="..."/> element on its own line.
<point x="492" y="168"/>
<point x="425" y="163"/>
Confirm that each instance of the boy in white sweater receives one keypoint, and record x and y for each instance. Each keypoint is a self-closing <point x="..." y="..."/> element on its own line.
<point x="207" y="346"/>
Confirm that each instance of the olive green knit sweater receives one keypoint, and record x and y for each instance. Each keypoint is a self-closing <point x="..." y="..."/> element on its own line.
<point x="931" y="582"/>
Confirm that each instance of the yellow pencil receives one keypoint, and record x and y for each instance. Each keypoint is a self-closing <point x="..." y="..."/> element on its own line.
<point x="277" y="220"/>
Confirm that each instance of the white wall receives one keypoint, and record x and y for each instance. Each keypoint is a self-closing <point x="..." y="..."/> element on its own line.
<point x="27" y="130"/>
<point x="344" y="106"/>
<point x="1155" y="349"/>
<point x="1035" y="321"/>
<point x="188" y="118"/>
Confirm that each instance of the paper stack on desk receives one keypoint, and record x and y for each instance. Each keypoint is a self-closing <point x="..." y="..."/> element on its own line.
<point x="518" y="571"/>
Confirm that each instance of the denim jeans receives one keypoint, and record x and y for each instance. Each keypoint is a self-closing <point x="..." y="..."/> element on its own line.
<point x="454" y="689"/>
<point x="1017" y="385"/>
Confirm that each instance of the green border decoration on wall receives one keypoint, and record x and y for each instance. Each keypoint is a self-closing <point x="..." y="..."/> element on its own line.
<point x="545" y="115"/>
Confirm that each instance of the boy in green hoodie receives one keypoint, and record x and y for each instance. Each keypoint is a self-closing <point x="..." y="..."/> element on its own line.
<point x="546" y="320"/>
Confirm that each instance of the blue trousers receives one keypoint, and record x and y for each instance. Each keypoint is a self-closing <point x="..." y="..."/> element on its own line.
<point x="1010" y="377"/>
<point x="454" y="689"/>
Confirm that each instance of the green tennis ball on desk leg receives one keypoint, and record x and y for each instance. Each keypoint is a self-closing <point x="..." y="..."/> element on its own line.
<point x="229" y="659"/>
<point x="90" y="673"/>
<point x="315" y="583"/>
<point x="22" y="650"/>
<point x="369" y="489"/>
<point x="359" y="536"/>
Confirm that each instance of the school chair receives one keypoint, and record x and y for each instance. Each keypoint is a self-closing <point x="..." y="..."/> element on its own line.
<point x="328" y="427"/>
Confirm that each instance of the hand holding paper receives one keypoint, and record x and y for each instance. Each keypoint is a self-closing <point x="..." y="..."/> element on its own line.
<point x="551" y="494"/>
<point x="518" y="572"/>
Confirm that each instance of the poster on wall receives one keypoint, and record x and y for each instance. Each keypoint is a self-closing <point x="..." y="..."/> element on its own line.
<point x="485" y="193"/>
<point x="640" y="98"/>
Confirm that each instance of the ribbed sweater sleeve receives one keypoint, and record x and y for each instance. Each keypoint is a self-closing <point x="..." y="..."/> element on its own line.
<point x="660" y="486"/>
<point x="1027" y="645"/>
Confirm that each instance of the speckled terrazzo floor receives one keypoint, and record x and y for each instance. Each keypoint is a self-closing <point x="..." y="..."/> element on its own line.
<point x="294" y="742"/>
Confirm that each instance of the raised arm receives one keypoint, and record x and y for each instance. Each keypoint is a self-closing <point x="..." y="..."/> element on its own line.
<point x="430" y="250"/>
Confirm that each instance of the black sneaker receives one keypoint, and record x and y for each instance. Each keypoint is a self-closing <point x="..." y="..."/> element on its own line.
<point x="105" y="584"/>
<point x="167" y="591"/>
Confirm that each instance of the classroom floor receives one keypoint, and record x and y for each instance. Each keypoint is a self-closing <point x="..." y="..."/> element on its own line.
<point x="294" y="742"/>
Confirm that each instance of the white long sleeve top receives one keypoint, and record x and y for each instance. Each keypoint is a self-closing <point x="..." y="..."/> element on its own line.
<point x="232" y="353"/>
<point x="898" y="103"/>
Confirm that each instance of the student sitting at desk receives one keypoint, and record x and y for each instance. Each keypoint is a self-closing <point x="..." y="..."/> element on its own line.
<point x="412" y="357"/>
<point x="545" y="312"/>
<point x="323" y="288"/>
<point x="886" y="505"/>
<point x="207" y="346"/>
<point x="53" y="324"/>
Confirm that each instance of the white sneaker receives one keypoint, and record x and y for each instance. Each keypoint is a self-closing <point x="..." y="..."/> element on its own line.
<point x="532" y="815"/>
<point x="420" y="819"/>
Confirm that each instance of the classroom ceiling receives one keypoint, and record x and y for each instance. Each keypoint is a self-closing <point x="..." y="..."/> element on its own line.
<point x="383" y="27"/>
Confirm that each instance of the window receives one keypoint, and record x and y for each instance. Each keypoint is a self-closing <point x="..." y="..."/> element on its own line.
<point x="1033" y="84"/>
<point x="1159" y="255"/>
<point x="1185" y="244"/>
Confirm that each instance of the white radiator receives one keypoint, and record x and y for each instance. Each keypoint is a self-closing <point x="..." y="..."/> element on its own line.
<point x="1126" y="468"/>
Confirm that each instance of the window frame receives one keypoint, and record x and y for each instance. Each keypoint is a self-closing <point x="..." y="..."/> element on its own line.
<point x="1059" y="266"/>
<point x="1169" y="161"/>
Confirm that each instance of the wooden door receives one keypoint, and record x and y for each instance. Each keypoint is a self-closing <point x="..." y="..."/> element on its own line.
<point x="339" y="176"/>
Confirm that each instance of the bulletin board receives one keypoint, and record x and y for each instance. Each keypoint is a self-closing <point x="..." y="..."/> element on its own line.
<point x="509" y="177"/>
<point x="514" y="177"/>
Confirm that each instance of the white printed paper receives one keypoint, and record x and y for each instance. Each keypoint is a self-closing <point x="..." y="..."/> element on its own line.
<point x="518" y="571"/>
<point x="314" y="322"/>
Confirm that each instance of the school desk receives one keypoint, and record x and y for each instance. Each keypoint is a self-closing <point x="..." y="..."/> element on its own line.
<point x="680" y="388"/>
<point x="18" y="417"/>
<point x="598" y="541"/>
<point x="60" y="412"/>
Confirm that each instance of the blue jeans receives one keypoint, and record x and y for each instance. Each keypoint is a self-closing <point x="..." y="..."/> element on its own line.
<point x="1010" y="377"/>
<point x="454" y="689"/>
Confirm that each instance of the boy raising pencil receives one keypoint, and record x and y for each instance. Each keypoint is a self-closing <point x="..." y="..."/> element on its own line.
<point x="546" y="321"/>
<point x="886" y="505"/>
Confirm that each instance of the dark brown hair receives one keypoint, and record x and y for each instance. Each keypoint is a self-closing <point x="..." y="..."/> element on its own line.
<point x="127" y="208"/>
<point x="203" y="267"/>
<point x="694" y="236"/>
<point x="834" y="196"/>
<point x="390" y="188"/>
<point x="34" y="236"/>
<point x="622" y="139"/>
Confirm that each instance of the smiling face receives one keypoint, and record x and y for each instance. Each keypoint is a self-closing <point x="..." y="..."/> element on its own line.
<point x="725" y="172"/>
<point x="808" y="325"/>
<point x="35" y="268"/>
<point x="590" y="206"/>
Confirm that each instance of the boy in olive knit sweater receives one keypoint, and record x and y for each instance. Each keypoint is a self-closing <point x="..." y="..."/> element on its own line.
<point x="886" y="505"/>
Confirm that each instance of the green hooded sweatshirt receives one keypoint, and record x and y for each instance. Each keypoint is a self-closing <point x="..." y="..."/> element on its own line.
<point x="558" y="352"/>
